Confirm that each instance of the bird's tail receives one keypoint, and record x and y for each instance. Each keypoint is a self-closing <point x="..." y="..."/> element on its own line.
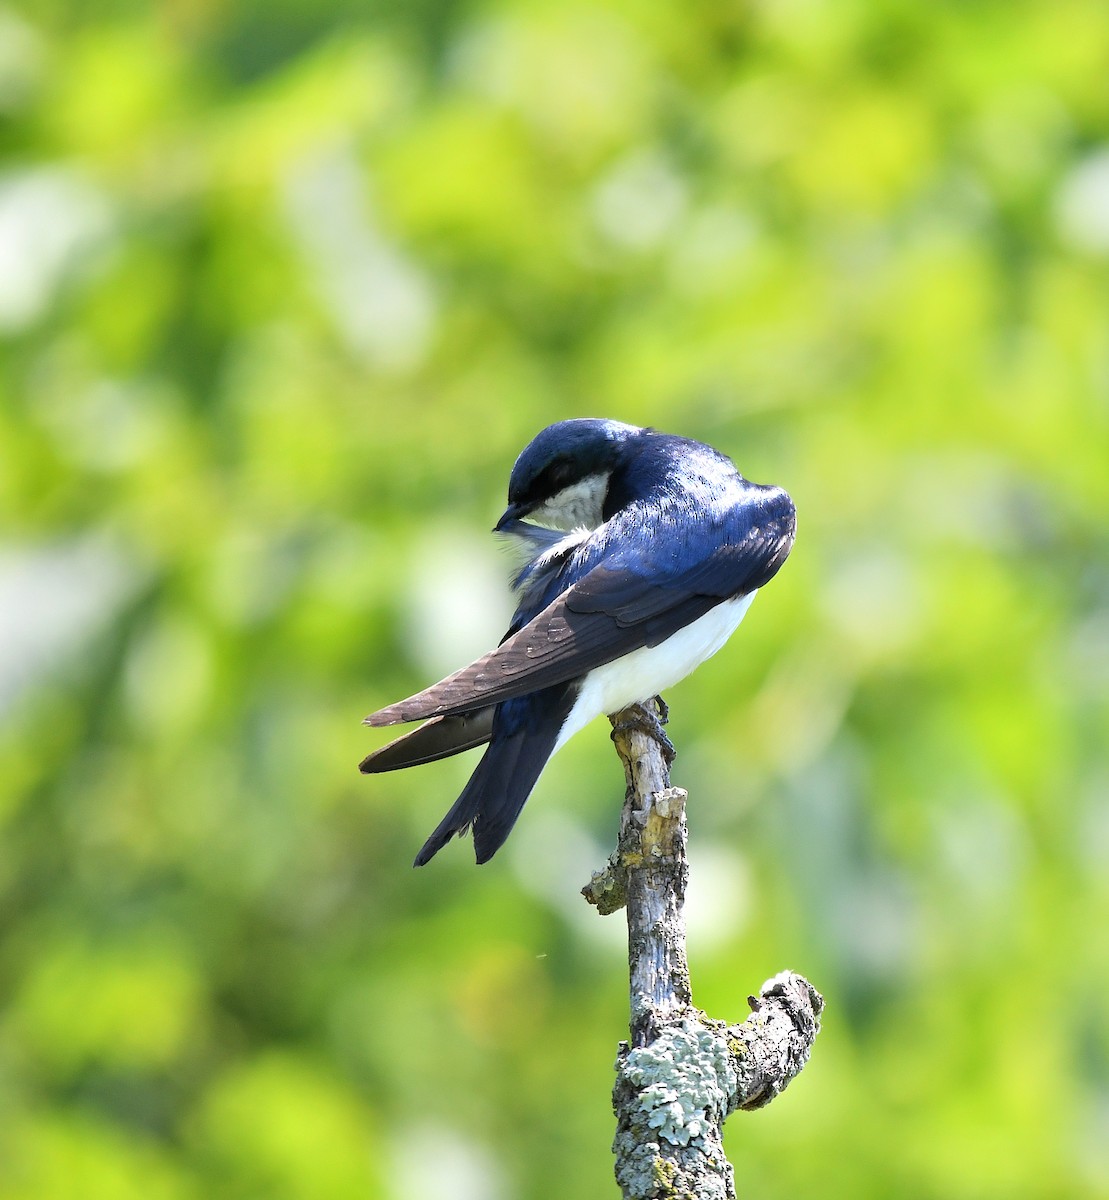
<point x="506" y="775"/>
<point x="438" y="738"/>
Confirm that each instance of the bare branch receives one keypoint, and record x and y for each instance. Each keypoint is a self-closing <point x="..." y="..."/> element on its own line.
<point x="682" y="1073"/>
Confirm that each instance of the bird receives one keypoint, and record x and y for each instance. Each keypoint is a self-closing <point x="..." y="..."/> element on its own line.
<point x="642" y="552"/>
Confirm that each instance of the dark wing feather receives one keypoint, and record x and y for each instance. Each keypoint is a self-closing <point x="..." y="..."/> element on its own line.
<point x="616" y="607"/>
<point x="555" y="647"/>
<point x="438" y="738"/>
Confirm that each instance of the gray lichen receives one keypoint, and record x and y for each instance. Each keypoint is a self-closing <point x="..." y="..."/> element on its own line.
<point x="641" y="1170"/>
<point x="684" y="1080"/>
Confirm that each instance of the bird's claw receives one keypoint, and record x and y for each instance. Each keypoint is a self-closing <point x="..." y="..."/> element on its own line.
<point x="642" y="718"/>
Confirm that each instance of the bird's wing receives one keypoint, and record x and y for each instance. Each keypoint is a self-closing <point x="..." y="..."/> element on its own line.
<point x="622" y="604"/>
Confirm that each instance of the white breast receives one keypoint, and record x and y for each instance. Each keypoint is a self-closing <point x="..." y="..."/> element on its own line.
<point x="644" y="673"/>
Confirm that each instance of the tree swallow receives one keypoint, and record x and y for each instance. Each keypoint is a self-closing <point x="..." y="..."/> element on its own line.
<point x="643" y="553"/>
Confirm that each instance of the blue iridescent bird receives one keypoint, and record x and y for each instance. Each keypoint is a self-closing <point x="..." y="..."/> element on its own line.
<point x="644" y="551"/>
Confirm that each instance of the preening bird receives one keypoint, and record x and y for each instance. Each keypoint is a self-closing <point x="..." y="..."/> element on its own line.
<point x="644" y="551"/>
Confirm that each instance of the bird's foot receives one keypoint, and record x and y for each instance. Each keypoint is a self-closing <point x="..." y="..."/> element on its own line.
<point x="640" y="717"/>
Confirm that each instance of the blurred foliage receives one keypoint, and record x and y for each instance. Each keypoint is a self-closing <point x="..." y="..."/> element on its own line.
<point x="284" y="288"/>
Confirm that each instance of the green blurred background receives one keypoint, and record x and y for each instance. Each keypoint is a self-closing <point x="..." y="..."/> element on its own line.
<point x="284" y="289"/>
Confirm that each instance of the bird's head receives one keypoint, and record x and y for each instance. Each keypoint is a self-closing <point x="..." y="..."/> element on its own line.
<point x="562" y="476"/>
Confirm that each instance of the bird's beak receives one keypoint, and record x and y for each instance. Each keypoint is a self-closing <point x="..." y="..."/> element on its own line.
<point x="511" y="514"/>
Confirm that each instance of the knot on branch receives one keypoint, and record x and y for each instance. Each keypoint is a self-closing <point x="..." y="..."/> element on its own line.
<point x="673" y="1094"/>
<point x="697" y="1071"/>
<point x="775" y="1041"/>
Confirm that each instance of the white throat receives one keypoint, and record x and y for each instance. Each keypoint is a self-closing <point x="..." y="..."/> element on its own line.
<point x="578" y="506"/>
